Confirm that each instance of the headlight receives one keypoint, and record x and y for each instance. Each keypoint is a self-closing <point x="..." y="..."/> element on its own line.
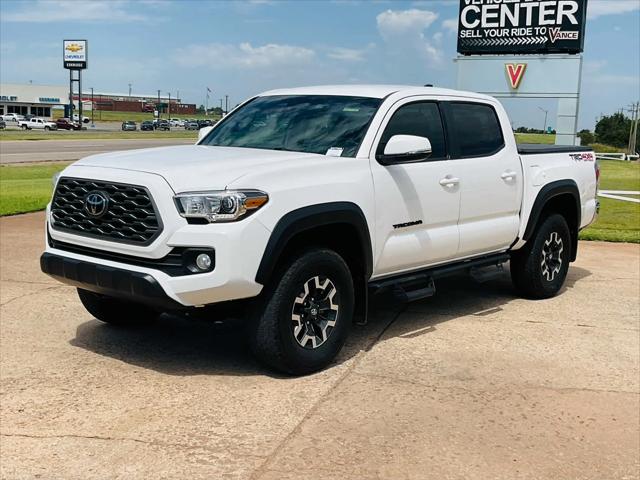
<point x="220" y="206"/>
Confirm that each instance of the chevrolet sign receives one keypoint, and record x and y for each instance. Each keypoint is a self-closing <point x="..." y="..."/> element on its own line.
<point x="74" y="54"/>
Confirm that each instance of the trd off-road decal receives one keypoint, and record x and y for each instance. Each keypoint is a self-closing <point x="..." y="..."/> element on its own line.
<point x="582" y="157"/>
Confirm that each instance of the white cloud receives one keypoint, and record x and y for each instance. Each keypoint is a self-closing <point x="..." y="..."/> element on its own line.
<point x="404" y="29"/>
<point x="244" y="55"/>
<point x="46" y="11"/>
<point x="451" y="25"/>
<point x="348" y="54"/>
<point x="598" y="8"/>
<point x="402" y="22"/>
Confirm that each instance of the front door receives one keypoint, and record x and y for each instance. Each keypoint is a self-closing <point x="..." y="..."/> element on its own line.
<point x="417" y="204"/>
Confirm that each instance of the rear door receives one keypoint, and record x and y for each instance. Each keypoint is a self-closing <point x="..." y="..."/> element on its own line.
<point x="483" y="147"/>
<point x="416" y="207"/>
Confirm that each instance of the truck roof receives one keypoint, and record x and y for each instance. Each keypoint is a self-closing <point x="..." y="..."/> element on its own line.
<point x="373" y="91"/>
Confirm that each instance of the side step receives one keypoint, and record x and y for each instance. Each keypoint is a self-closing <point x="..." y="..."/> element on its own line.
<point x="418" y="285"/>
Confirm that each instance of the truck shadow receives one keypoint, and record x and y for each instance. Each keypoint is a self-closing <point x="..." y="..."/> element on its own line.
<point x="183" y="347"/>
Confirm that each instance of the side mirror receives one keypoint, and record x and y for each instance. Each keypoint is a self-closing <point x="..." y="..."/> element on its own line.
<point x="203" y="132"/>
<point x="405" y="148"/>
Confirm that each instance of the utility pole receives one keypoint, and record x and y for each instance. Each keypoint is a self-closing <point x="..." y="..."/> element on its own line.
<point x="226" y="104"/>
<point x="169" y="105"/>
<point x="633" y="131"/>
<point x="158" y="106"/>
<point x="93" y="107"/>
<point x="129" y="90"/>
<point x="546" y="112"/>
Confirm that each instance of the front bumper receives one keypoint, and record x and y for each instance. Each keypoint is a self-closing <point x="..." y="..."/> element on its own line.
<point x="114" y="282"/>
<point x="238" y="247"/>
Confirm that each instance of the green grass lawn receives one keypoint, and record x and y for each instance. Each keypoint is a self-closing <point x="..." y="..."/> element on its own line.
<point x="618" y="221"/>
<point x="26" y="189"/>
<point x="93" y="135"/>
<point x="103" y="116"/>
<point x="547" y="139"/>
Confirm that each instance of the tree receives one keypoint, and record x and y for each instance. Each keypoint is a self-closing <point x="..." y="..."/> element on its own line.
<point x="614" y="130"/>
<point x="200" y="109"/>
<point x="586" y="137"/>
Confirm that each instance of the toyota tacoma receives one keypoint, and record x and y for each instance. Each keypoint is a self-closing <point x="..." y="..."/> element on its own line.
<point x="302" y="202"/>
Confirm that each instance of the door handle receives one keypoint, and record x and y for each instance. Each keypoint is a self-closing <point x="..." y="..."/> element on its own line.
<point x="449" y="181"/>
<point x="508" y="175"/>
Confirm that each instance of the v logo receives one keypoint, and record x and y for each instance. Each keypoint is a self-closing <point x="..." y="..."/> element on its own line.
<point x="515" y="72"/>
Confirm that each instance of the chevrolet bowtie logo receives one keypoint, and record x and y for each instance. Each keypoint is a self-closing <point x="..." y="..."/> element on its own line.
<point x="74" y="47"/>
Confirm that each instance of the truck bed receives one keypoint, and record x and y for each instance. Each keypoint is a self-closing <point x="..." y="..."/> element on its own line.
<point x="536" y="149"/>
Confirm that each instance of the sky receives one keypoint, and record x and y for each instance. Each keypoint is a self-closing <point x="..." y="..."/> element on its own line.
<point x="242" y="48"/>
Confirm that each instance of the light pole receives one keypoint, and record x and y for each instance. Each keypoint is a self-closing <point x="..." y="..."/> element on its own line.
<point x="546" y="112"/>
<point x="93" y="107"/>
<point x="129" y="90"/>
<point x="169" y="106"/>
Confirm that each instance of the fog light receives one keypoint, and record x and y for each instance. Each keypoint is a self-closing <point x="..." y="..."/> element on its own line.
<point x="203" y="261"/>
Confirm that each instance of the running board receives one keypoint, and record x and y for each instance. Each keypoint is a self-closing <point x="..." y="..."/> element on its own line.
<point x="414" y="286"/>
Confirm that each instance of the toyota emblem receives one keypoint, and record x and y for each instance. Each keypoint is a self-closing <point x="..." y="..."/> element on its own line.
<point x="96" y="203"/>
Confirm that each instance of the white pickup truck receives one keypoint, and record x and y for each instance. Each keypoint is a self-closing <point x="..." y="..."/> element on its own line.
<point x="302" y="202"/>
<point x="38" y="124"/>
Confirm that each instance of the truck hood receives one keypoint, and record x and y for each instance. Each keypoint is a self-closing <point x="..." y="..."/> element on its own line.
<point x="196" y="167"/>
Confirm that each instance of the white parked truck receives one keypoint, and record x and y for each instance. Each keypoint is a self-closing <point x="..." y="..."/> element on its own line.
<point x="301" y="202"/>
<point x="38" y="124"/>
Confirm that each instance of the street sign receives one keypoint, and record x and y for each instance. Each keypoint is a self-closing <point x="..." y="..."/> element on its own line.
<point x="74" y="54"/>
<point x="521" y="26"/>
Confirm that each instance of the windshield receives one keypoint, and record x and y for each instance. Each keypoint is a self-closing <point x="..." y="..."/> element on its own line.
<point x="328" y="125"/>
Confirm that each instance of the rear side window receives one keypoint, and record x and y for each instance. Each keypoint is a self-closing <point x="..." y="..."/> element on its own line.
<point x="421" y="119"/>
<point x="474" y="130"/>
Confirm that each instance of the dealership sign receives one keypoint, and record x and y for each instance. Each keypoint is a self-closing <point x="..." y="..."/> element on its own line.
<point x="75" y="54"/>
<point x="521" y="26"/>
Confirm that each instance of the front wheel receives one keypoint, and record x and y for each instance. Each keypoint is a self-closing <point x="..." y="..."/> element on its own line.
<point x="303" y="317"/>
<point x="540" y="268"/>
<point x="47" y="128"/>
<point x="116" y="311"/>
<point x="24" y="127"/>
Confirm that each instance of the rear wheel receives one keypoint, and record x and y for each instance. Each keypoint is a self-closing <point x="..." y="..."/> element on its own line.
<point x="304" y="316"/>
<point x="115" y="311"/>
<point x="540" y="268"/>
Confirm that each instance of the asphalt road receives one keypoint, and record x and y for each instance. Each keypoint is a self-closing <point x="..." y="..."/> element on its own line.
<point x="21" y="151"/>
<point x="474" y="383"/>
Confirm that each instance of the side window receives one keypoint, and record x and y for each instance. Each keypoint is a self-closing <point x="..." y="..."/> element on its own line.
<point x="421" y="119"/>
<point x="474" y="130"/>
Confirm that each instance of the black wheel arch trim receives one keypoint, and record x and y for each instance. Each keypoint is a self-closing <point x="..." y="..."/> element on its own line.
<point x="546" y="194"/>
<point x="307" y="218"/>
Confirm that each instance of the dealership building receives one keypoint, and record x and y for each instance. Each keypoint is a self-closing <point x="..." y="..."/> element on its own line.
<point x="37" y="100"/>
<point x="40" y="100"/>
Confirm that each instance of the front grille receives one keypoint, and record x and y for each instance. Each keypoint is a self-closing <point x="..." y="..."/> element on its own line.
<point x="130" y="215"/>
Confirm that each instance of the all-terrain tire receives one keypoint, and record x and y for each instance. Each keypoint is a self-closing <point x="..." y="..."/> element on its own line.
<point x="115" y="311"/>
<point x="539" y="269"/>
<point x="303" y="317"/>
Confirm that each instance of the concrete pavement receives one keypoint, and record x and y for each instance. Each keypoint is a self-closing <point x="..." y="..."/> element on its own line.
<point x="474" y="383"/>
<point x="21" y="151"/>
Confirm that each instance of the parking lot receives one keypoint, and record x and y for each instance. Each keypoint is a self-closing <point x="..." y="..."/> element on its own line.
<point x="473" y="383"/>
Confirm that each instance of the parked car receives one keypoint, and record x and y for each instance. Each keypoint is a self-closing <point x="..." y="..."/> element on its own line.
<point x="291" y="223"/>
<point x="129" y="126"/>
<point x="163" y="125"/>
<point x="29" y="116"/>
<point x="176" y="122"/>
<point x="38" y="124"/>
<point x="191" y="126"/>
<point x="147" y="125"/>
<point x="204" y="123"/>
<point x="76" y="118"/>
<point x="66" y="124"/>
<point x="12" y="117"/>
<point x="3" y="124"/>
